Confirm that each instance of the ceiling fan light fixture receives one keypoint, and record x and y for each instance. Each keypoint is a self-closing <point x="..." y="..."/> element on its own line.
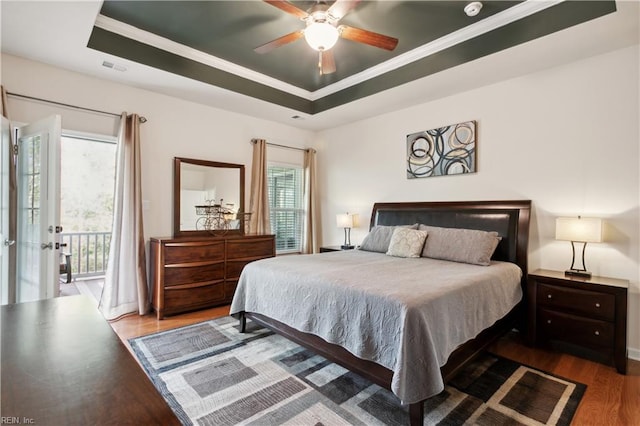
<point x="321" y="35"/>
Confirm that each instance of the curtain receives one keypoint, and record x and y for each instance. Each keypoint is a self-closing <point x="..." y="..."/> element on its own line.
<point x="312" y="220"/>
<point x="260" y="222"/>
<point x="13" y="206"/>
<point x="125" y="287"/>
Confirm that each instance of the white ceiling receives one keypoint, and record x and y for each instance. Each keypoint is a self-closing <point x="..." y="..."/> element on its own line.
<point x="58" y="32"/>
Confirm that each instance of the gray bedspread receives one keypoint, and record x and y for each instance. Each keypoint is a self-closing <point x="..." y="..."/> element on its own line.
<point x="405" y="314"/>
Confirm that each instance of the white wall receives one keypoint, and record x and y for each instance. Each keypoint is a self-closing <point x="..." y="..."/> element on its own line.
<point x="175" y="128"/>
<point x="566" y="138"/>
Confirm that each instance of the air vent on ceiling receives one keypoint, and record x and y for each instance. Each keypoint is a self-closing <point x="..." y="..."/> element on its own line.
<point x="111" y="65"/>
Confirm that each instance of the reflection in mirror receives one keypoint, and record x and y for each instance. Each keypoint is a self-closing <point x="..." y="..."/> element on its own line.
<point x="208" y="194"/>
<point x="208" y="197"/>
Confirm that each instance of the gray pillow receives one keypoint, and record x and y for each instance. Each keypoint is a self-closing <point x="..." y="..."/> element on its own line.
<point x="406" y="242"/>
<point x="379" y="237"/>
<point x="460" y="245"/>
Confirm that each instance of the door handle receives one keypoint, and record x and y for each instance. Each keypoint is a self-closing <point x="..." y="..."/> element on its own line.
<point x="44" y="246"/>
<point x="9" y="242"/>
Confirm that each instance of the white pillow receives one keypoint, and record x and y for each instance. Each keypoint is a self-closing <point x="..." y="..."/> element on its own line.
<point x="379" y="237"/>
<point x="406" y="242"/>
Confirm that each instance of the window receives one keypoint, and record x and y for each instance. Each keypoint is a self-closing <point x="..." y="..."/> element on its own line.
<point x="286" y="206"/>
<point x="87" y="177"/>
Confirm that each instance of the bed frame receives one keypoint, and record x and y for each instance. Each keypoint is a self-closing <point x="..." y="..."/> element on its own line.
<point x="509" y="218"/>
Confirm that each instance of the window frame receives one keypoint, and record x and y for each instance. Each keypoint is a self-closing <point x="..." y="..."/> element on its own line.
<point x="299" y="212"/>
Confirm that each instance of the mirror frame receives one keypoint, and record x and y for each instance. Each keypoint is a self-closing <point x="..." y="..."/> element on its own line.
<point x="177" y="161"/>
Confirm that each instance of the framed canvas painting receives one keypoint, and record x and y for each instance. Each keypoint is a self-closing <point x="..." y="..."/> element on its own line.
<point x="448" y="150"/>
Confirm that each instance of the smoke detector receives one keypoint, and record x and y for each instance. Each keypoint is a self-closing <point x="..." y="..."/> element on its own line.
<point x="473" y="8"/>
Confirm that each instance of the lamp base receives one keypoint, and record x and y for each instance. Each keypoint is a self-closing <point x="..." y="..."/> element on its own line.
<point x="346" y="247"/>
<point x="577" y="273"/>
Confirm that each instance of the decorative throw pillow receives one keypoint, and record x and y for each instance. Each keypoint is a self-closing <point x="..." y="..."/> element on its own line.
<point x="460" y="245"/>
<point x="406" y="242"/>
<point x="379" y="237"/>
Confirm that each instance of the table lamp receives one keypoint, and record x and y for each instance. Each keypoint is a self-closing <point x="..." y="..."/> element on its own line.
<point x="580" y="230"/>
<point x="346" y="221"/>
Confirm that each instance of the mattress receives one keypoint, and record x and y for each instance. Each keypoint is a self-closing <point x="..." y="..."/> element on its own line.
<point x="406" y="314"/>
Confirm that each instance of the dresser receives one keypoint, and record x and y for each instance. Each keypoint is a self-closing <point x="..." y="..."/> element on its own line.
<point x="195" y="273"/>
<point x="590" y="313"/>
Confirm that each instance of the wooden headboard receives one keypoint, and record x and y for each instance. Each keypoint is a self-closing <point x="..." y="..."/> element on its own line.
<point x="509" y="218"/>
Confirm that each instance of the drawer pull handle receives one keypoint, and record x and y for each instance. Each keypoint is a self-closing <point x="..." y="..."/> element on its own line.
<point x="548" y="296"/>
<point x="597" y="305"/>
<point x="548" y="321"/>
<point x="597" y="333"/>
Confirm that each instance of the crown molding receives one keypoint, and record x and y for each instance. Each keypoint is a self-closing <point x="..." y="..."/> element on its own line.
<point x="515" y="13"/>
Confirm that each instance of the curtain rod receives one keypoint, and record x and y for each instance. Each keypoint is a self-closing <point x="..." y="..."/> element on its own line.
<point x="286" y="146"/>
<point x="32" y="98"/>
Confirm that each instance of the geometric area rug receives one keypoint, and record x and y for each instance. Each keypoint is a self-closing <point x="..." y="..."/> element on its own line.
<point x="211" y="374"/>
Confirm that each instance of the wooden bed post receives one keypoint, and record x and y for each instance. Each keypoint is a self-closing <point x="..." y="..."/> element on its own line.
<point x="243" y="322"/>
<point x="416" y="413"/>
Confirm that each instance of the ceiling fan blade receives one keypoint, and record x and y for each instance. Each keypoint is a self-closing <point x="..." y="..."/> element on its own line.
<point x="341" y="8"/>
<point x="368" y="37"/>
<point x="281" y="41"/>
<point x="288" y="7"/>
<point x="327" y="63"/>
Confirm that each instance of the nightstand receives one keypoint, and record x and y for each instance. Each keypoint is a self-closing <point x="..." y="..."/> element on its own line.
<point x="326" y="249"/>
<point x="585" y="313"/>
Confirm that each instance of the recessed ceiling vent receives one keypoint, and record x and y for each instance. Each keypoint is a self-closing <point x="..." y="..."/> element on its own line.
<point x="113" y="66"/>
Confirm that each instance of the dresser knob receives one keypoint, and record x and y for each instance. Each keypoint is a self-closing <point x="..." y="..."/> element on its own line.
<point x="597" y="333"/>
<point x="597" y="305"/>
<point x="548" y="296"/>
<point x="548" y="321"/>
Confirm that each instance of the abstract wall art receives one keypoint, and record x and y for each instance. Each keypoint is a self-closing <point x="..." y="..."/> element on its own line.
<point x="448" y="150"/>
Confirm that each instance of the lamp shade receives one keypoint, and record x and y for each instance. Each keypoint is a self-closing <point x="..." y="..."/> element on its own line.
<point x="321" y="35"/>
<point x="344" y="220"/>
<point x="583" y="229"/>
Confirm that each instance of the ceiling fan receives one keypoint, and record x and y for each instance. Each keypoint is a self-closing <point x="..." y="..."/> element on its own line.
<point x="322" y="31"/>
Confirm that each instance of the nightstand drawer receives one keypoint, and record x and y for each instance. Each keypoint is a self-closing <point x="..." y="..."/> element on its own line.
<point x="574" y="329"/>
<point x="591" y="303"/>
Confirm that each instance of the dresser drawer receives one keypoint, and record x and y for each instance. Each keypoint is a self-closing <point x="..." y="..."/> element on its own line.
<point x="193" y="273"/>
<point x="179" y="253"/>
<point x="185" y="297"/>
<point x="235" y="267"/>
<point x="575" y="329"/>
<point x="589" y="303"/>
<point x="230" y="288"/>
<point x="250" y="248"/>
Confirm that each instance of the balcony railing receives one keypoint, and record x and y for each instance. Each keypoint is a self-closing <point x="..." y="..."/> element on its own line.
<point x="89" y="252"/>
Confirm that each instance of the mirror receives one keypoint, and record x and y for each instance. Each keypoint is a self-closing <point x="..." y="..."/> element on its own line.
<point x="208" y="198"/>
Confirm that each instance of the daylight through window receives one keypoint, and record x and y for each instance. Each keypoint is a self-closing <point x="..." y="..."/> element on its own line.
<point x="286" y="206"/>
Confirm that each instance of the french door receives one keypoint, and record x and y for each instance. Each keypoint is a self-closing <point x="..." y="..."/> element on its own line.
<point x="38" y="181"/>
<point x="5" y="242"/>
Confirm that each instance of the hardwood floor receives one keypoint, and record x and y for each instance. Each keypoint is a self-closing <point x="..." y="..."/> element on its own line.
<point x="610" y="399"/>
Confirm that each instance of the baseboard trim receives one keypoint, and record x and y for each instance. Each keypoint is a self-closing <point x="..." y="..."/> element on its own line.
<point x="633" y="354"/>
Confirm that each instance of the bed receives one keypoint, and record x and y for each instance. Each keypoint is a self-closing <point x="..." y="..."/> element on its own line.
<point x="380" y="322"/>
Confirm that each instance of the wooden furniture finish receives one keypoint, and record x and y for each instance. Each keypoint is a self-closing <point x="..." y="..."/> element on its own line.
<point x="327" y="249"/>
<point x="588" y="312"/>
<point x="177" y="178"/>
<point x="510" y="218"/>
<point x="62" y="364"/>
<point x="195" y="273"/>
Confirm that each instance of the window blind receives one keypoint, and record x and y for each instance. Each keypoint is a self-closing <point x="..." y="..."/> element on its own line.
<point x="286" y="206"/>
